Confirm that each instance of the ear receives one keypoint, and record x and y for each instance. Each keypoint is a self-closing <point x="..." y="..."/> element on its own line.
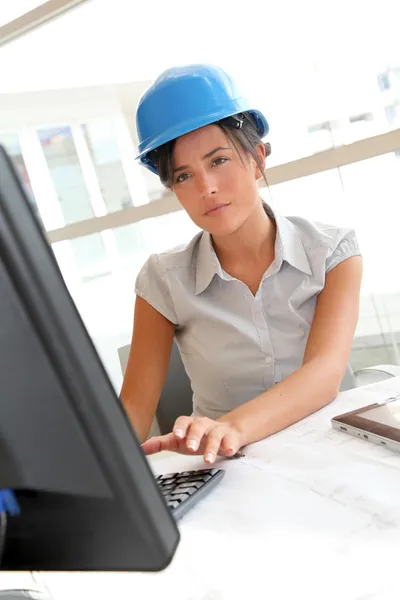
<point x="260" y="150"/>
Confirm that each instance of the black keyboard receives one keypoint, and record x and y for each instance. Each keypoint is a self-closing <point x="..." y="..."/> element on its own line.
<point x="182" y="491"/>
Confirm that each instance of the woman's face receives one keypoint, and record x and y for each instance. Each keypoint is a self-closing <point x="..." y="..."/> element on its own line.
<point x="214" y="184"/>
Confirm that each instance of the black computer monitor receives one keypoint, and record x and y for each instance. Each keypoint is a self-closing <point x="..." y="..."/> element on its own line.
<point x="87" y="496"/>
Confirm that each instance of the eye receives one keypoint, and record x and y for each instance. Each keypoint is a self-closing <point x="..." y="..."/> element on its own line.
<point x="220" y="160"/>
<point x="181" y="178"/>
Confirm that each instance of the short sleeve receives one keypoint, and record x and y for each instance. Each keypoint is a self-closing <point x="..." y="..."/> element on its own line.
<point x="152" y="286"/>
<point x="346" y="247"/>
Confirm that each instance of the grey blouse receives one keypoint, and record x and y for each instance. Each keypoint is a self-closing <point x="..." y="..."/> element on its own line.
<point x="235" y="345"/>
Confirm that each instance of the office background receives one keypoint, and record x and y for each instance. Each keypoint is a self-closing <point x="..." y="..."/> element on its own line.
<point x="327" y="75"/>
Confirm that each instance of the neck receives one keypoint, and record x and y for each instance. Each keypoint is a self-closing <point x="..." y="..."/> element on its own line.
<point x="255" y="239"/>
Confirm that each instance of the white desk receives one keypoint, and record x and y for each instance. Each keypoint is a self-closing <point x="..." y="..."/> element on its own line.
<point x="309" y="513"/>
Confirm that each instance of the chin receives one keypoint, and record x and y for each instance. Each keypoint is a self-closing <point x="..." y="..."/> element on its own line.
<point x="220" y="227"/>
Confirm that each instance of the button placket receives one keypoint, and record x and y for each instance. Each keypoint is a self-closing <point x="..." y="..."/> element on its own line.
<point x="261" y="323"/>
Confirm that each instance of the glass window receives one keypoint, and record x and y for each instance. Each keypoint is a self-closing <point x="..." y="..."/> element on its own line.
<point x="106" y="302"/>
<point x="383" y="81"/>
<point x="66" y="172"/>
<point x="312" y="107"/>
<point x="392" y="112"/>
<point x="138" y="240"/>
<point x="101" y="140"/>
<point x="11" y="144"/>
<point x="364" y="195"/>
<point x="321" y="135"/>
<point x="317" y="197"/>
<point x="90" y="256"/>
<point x="83" y="259"/>
<point x="372" y="187"/>
<point x="155" y="188"/>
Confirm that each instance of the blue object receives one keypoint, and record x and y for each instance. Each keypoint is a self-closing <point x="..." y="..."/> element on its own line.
<point x="183" y="99"/>
<point x="9" y="503"/>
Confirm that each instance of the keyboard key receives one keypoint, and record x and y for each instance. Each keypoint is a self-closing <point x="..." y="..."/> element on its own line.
<point x="196" y="479"/>
<point x="180" y="497"/>
<point x="184" y="490"/>
<point x="190" y="491"/>
<point x="168" y="482"/>
<point x="186" y="484"/>
<point x="197" y="484"/>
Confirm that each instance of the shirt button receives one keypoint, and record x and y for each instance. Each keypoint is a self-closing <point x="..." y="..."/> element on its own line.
<point x="268" y="361"/>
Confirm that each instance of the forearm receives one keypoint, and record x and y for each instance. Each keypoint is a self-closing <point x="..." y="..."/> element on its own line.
<point x="140" y="421"/>
<point x="140" y="404"/>
<point x="303" y="392"/>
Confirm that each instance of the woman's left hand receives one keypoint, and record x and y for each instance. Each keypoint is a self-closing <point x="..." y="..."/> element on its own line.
<point x="198" y="435"/>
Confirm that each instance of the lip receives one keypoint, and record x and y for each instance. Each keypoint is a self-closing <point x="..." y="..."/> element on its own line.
<point x="216" y="209"/>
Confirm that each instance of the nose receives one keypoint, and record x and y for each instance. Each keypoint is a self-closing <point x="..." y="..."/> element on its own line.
<point x="207" y="185"/>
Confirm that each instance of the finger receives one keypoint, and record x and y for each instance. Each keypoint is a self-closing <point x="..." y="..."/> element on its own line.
<point x="230" y="444"/>
<point x="196" y="433"/>
<point x="181" y="426"/>
<point x="159" y="443"/>
<point x="213" y="443"/>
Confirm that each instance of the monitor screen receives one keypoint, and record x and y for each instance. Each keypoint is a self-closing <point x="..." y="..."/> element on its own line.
<point x="88" y="498"/>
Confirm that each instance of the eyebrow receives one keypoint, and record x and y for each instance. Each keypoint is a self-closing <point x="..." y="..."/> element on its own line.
<point x="208" y="155"/>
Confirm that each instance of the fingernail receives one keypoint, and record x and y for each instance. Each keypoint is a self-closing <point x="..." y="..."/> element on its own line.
<point x="178" y="433"/>
<point x="209" y="457"/>
<point x="192" y="444"/>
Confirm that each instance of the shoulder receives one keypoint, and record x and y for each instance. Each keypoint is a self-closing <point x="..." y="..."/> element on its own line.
<point x="164" y="275"/>
<point x="179" y="258"/>
<point x="315" y="234"/>
<point x="326" y="245"/>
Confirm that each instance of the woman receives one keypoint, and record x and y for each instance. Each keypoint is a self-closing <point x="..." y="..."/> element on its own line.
<point x="263" y="308"/>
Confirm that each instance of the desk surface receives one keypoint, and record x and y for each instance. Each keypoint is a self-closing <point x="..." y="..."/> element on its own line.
<point x="309" y="513"/>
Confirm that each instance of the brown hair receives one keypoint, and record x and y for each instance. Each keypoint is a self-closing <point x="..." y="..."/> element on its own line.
<point x="240" y="128"/>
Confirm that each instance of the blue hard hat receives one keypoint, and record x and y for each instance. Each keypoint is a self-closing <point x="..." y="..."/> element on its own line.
<point x="183" y="99"/>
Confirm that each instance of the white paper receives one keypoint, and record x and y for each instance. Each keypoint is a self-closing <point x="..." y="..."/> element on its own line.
<point x="309" y="513"/>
